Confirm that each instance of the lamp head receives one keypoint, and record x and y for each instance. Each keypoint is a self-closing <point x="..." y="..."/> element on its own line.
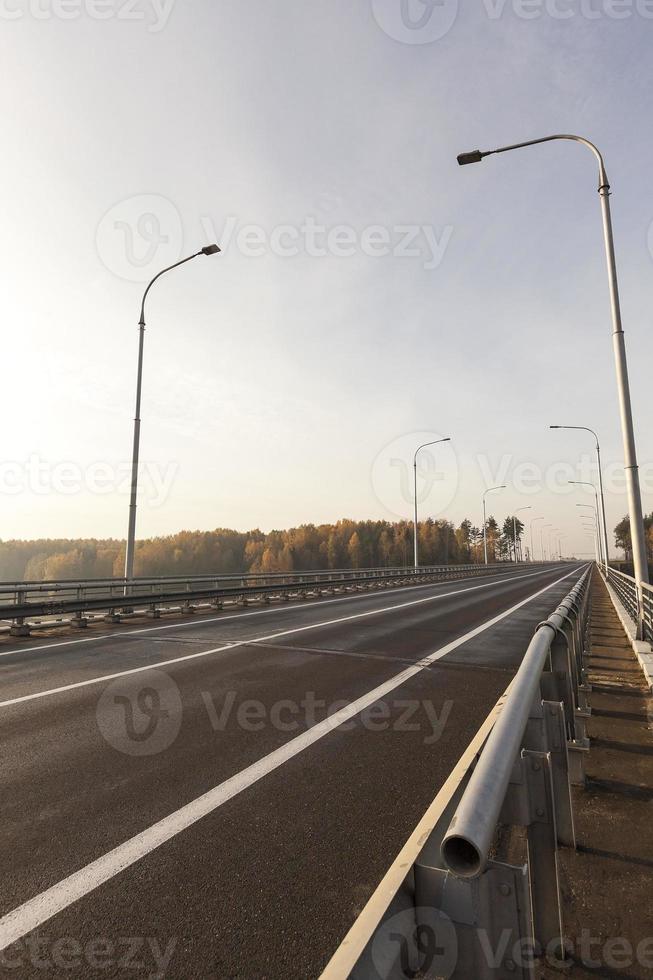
<point x="474" y="157"/>
<point x="210" y="249"/>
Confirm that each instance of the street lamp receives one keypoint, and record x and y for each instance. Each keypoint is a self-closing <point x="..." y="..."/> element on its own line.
<point x="542" y="539"/>
<point x="593" y="530"/>
<point x="131" y="534"/>
<point x="584" y="428"/>
<point x="583" y="483"/>
<point x="638" y="536"/>
<point x="489" y="490"/>
<point x="423" y="446"/>
<point x="514" y="527"/>
<point x="532" y="548"/>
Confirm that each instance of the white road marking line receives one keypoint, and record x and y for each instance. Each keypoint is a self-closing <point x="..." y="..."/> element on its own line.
<point x="43" y="907"/>
<point x="246" y="642"/>
<point x="226" y="616"/>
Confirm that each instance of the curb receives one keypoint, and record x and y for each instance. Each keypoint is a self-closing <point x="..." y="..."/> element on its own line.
<point x="642" y="648"/>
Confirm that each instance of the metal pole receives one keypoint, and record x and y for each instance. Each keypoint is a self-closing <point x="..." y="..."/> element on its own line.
<point x="131" y="532"/>
<point x="638" y="537"/>
<point x="489" y="490"/>
<point x="602" y="518"/>
<point x="532" y="545"/>
<point x="424" y="445"/>
<point x="605" y="525"/>
<point x="415" y="558"/>
<point x="584" y="483"/>
<point x="514" y="526"/>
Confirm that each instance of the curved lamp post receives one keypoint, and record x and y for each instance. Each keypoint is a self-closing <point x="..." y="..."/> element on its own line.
<point x="131" y="534"/>
<point x="419" y="448"/>
<point x="638" y="536"/>
<point x="585" y="428"/>
<point x="584" y="483"/>
<point x="514" y="526"/>
<point x="490" y="490"/>
<point x="532" y="548"/>
<point x="595" y="534"/>
<point x="542" y="539"/>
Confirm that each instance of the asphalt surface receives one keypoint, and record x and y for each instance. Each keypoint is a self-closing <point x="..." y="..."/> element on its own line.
<point x="176" y="801"/>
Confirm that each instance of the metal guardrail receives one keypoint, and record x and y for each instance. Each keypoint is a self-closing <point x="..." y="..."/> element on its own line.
<point x="461" y="911"/>
<point x="23" y="604"/>
<point x="640" y="609"/>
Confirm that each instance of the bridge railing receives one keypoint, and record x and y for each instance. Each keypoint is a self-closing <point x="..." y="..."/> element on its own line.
<point x="461" y="910"/>
<point x="638" y="605"/>
<point x="29" y="605"/>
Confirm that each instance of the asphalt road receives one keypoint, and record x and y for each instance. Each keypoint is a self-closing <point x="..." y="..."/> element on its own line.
<point x="218" y="797"/>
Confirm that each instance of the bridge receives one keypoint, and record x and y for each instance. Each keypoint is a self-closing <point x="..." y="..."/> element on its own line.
<point x="300" y="774"/>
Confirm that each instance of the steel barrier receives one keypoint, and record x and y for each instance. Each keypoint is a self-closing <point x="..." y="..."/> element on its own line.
<point x="41" y="605"/>
<point x="462" y="910"/>
<point x="639" y="606"/>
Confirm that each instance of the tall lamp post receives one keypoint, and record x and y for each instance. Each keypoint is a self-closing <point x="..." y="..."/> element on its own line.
<point x="592" y="520"/>
<point x="532" y="546"/>
<point x="131" y="534"/>
<point x="638" y="536"/>
<point x="583" y="483"/>
<point x="419" y="448"/>
<point x="489" y="490"/>
<point x="542" y="539"/>
<point x="514" y="527"/>
<point x="595" y="533"/>
<point x="584" y="428"/>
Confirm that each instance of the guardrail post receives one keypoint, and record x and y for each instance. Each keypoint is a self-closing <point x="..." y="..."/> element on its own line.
<point x="546" y="732"/>
<point x="470" y="928"/>
<point x="19" y="627"/>
<point x="542" y="852"/>
<point x="556" y="741"/>
<point x="79" y="621"/>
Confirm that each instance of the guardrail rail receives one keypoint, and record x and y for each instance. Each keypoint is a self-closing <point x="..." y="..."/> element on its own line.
<point x="638" y="602"/>
<point x="461" y="911"/>
<point x="26" y="606"/>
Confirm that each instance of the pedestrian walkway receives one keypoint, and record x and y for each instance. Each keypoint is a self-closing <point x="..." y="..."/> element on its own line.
<point x="607" y="883"/>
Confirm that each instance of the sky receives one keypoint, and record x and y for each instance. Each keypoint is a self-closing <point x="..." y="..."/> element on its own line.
<point x="371" y="295"/>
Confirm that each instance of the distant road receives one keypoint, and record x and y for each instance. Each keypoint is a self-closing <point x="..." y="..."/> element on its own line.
<point x="177" y="794"/>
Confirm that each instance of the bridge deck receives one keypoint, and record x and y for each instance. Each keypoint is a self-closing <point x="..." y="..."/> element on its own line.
<point x="181" y="783"/>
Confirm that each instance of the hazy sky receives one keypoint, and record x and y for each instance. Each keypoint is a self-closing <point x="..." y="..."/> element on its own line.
<point x="371" y="294"/>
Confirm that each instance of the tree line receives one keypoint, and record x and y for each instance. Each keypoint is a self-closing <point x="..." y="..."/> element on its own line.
<point x="345" y="544"/>
<point x="623" y="540"/>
